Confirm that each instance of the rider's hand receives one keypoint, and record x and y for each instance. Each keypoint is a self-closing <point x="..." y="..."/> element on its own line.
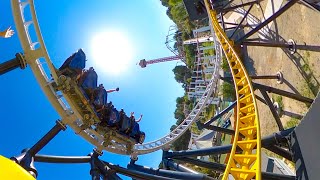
<point x="7" y="33"/>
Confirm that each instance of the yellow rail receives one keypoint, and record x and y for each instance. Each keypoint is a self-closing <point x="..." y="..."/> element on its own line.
<point x="244" y="164"/>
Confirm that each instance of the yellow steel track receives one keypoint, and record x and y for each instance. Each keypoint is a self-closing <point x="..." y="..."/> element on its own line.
<point x="244" y="161"/>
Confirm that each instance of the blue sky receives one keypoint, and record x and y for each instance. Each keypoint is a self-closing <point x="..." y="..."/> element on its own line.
<point x="26" y="115"/>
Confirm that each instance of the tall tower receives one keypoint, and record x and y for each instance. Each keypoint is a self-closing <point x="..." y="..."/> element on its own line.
<point x="143" y="63"/>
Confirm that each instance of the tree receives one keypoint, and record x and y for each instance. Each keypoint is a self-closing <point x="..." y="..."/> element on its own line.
<point x="165" y="3"/>
<point x="173" y="127"/>
<point x="181" y="74"/>
<point x="228" y="91"/>
<point x="178" y="114"/>
<point x="182" y="142"/>
<point x="180" y="100"/>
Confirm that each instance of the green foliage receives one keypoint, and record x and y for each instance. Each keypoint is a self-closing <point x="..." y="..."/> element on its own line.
<point x="174" y="2"/>
<point x="278" y="99"/>
<point x="228" y="91"/>
<point x="165" y="3"/>
<point x="173" y="127"/>
<point x="293" y="122"/>
<point x="180" y="100"/>
<point x="209" y="52"/>
<point x="225" y="65"/>
<point x="190" y="55"/>
<point x="181" y="74"/>
<point x="182" y="142"/>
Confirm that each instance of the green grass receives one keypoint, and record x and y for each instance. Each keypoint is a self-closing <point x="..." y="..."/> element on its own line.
<point x="225" y="140"/>
<point x="209" y="52"/>
<point x="225" y="65"/>
<point x="278" y="99"/>
<point x="311" y="89"/>
<point x="293" y="122"/>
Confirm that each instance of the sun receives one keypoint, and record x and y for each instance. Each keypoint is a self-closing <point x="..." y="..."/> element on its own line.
<point x="111" y="52"/>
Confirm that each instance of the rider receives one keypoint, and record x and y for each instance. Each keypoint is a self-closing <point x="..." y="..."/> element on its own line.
<point x="7" y="33"/>
<point x="133" y="122"/>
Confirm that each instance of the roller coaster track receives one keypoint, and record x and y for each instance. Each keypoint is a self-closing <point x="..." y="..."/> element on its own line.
<point x="38" y="59"/>
<point x="245" y="164"/>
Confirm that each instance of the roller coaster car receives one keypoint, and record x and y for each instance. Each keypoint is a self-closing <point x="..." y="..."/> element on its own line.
<point x="123" y="124"/>
<point x="138" y="135"/>
<point x="80" y="86"/>
<point x="74" y="65"/>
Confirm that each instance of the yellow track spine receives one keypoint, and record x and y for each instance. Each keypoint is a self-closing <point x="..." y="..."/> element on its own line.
<point x="244" y="162"/>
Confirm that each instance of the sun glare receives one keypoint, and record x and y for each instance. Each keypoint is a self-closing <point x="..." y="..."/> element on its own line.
<point x="112" y="52"/>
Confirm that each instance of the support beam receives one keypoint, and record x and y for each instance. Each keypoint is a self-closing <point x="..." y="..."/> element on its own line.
<point x="311" y="5"/>
<point x="238" y="26"/>
<point x="12" y="64"/>
<point x="26" y="158"/>
<point x="205" y="164"/>
<point x="216" y="128"/>
<point x="225" y="6"/>
<point x="222" y="21"/>
<point x="133" y="173"/>
<point x="281" y="151"/>
<point x="277" y="76"/>
<point x="47" y="138"/>
<point x="220" y="129"/>
<point x="272" y="109"/>
<point x="176" y="166"/>
<point x="289" y="45"/>
<point x="107" y="172"/>
<point x="282" y="93"/>
<point x="279" y="137"/>
<point x="226" y="110"/>
<point x="267" y="21"/>
<point x="221" y="168"/>
<point x="94" y="170"/>
<point x="169" y="173"/>
<point x="267" y="44"/>
<point x="61" y="159"/>
<point x="275" y="91"/>
<point x="227" y="9"/>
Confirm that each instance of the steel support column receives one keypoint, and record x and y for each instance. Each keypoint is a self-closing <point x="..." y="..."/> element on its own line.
<point x="176" y="166"/>
<point x="108" y="173"/>
<point x="94" y="171"/>
<point x="229" y="79"/>
<point x="281" y="151"/>
<point x="274" y="90"/>
<point x="289" y="45"/>
<point x="267" y="21"/>
<point x="169" y="173"/>
<point x="47" y="138"/>
<point x="238" y="26"/>
<point x="276" y="138"/>
<point x="226" y="110"/>
<point x="133" y="173"/>
<point x="267" y="44"/>
<point x="224" y="10"/>
<point x="311" y="5"/>
<point x="26" y="159"/>
<point x="222" y="22"/>
<point x="205" y="164"/>
<point x="61" y="159"/>
<point x="282" y="93"/>
<point x="216" y="128"/>
<point x="221" y="168"/>
<point x="12" y="64"/>
<point x="272" y="109"/>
